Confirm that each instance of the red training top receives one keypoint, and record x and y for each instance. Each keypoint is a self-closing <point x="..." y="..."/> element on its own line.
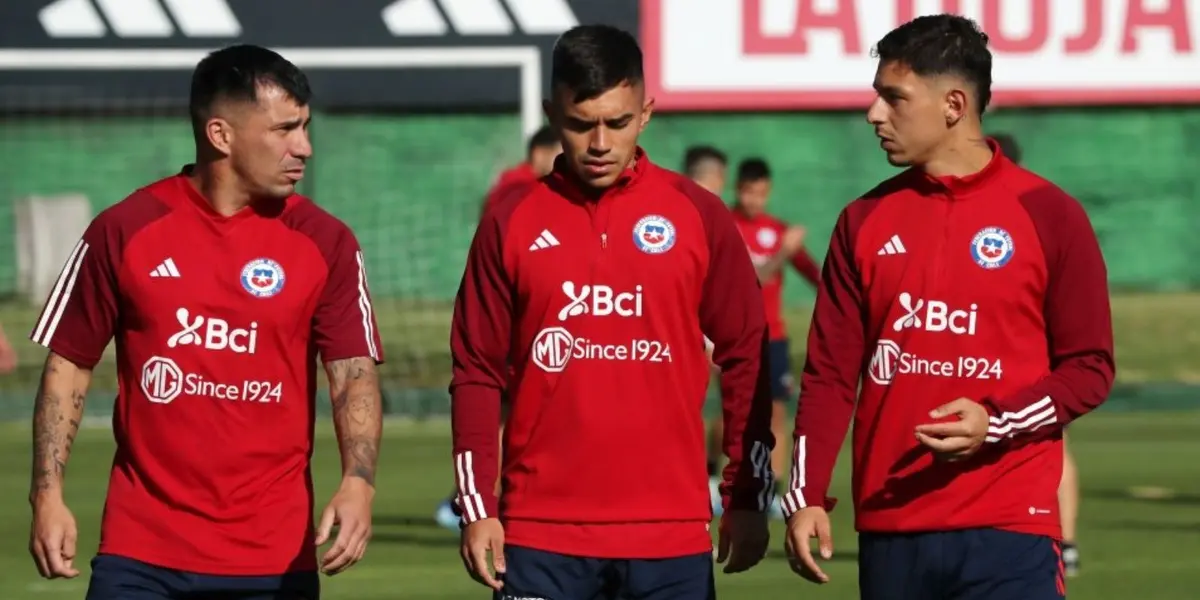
<point x="762" y="235"/>
<point x="217" y="322"/>
<point x="520" y="175"/>
<point x="603" y="321"/>
<point x="989" y="287"/>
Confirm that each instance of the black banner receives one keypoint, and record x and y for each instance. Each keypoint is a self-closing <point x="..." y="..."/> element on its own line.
<point x="359" y="54"/>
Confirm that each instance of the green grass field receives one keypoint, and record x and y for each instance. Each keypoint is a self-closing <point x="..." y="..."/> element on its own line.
<point x="1133" y="546"/>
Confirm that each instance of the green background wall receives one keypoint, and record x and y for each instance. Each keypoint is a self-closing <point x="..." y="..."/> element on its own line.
<point x="410" y="185"/>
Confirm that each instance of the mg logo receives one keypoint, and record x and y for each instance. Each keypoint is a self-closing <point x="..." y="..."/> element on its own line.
<point x="934" y="316"/>
<point x="552" y="349"/>
<point x="162" y="380"/>
<point x="600" y="301"/>
<point x="885" y="362"/>
<point x="216" y="334"/>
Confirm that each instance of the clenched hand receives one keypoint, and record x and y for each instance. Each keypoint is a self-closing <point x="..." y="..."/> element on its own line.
<point x="350" y="511"/>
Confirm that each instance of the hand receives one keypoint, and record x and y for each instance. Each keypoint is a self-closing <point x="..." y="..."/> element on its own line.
<point x="742" y="539"/>
<point x="350" y="511"/>
<point x="793" y="240"/>
<point x="478" y="539"/>
<point x="8" y="357"/>
<point x="52" y="539"/>
<point x="958" y="439"/>
<point x="802" y="526"/>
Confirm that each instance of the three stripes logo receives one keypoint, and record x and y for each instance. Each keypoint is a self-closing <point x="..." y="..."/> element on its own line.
<point x="478" y="17"/>
<point x="544" y="240"/>
<point x="892" y="247"/>
<point x="139" y="19"/>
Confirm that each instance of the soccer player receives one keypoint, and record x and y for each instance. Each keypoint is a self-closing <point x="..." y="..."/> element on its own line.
<point x="970" y="296"/>
<point x="220" y="286"/>
<point x="706" y="166"/>
<point x="603" y="482"/>
<point x="543" y="147"/>
<point x="1068" y="489"/>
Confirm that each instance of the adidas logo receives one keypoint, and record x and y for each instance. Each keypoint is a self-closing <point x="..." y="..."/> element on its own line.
<point x="893" y="246"/>
<point x="544" y="240"/>
<point x="165" y="269"/>
<point x="146" y="19"/>
<point x="478" y="17"/>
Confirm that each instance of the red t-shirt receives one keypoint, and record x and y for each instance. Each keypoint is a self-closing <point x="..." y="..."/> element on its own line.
<point x="763" y="235"/>
<point x="217" y="322"/>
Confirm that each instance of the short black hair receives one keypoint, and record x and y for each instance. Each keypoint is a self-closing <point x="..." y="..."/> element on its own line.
<point x="542" y="138"/>
<point x="753" y="169"/>
<point x="592" y="59"/>
<point x="1008" y="146"/>
<point x="236" y="72"/>
<point x="697" y="155"/>
<point x="942" y="45"/>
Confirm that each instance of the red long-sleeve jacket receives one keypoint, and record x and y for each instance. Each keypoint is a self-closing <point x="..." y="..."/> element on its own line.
<point x="990" y="287"/>
<point x="600" y="306"/>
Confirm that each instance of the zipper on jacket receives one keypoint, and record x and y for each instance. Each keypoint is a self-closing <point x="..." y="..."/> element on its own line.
<point x="940" y="260"/>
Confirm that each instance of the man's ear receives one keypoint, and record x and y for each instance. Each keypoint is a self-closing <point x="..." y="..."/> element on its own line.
<point x="219" y="133"/>
<point x="956" y="106"/>
<point x="647" y="112"/>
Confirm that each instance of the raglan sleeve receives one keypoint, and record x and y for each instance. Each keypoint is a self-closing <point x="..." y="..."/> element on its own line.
<point x="344" y="324"/>
<point x="81" y="312"/>
<point x="1078" y="321"/>
<point x="733" y="317"/>
<point x="480" y="341"/>
<point x="832" y="369"/>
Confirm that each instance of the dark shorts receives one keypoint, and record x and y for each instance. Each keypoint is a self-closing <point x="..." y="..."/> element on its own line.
<point x="120" y="578"/>
<point x="783" y="388"/>
<point x="534" y="574"/>
<point x="971" y="564"/>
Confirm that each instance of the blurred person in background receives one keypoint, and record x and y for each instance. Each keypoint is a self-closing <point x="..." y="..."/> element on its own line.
<point x="541" y="150"/>
<point x="970" y="298"/>
<point x="706" y="166"/>
<point x="773" y="244"/>
<point x="1068" y="490"/>
<point x="8" y="354"/>
<point x="604" y="494"/>
<point x="211" y="492"/>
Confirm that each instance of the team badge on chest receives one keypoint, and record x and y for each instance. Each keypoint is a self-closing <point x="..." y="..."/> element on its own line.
<point x="262" y="278"/>
<point x="654" y="234"/>
<point x="992" y="248"/>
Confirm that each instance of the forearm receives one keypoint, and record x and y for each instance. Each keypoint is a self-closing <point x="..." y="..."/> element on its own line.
<point x="822" y="420"/>
<point x="1073" y="389"/>
<point x="771" y="267"/>
<point x="747" y="407"/>
<point x="357" y="415"/>
<point x="475" y="414"/>
<point x="57" y="412"/>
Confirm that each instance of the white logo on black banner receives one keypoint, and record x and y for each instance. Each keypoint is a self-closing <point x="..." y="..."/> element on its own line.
<point x="478" y="17"/>
<point x="139" y="18"/>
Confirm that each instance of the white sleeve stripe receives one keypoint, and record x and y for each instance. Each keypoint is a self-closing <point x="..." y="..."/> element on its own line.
<point x="56" y="304"/>
<point x="760" y="459"/>
<point x="469" y="499"/>
<point x="1022" y="414"/>
<point x="364" y="306"/>
<point x="1042" y="419"/>
<point x="793" y="501"/>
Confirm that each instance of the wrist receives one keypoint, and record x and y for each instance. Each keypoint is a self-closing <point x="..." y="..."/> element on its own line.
<point x="356" y="482"/>
<point x="46" y="495"/>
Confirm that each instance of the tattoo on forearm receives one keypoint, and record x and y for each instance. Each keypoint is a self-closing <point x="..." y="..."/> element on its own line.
<point x="57" y="411"/>
<point x="357" y="414"/>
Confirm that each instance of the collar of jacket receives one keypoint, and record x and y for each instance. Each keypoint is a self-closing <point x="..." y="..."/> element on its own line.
<point x="958" y="187"/>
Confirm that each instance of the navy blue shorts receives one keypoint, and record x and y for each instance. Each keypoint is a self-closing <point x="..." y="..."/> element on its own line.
<point x="782" y="382"/>
<point x="971" y="564"/>
<point x="120" y="578"/>
<point x="535" y="574"/>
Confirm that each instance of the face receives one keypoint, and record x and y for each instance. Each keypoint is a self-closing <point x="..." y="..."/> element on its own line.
<point x="599" y="136"/>
<point x="912" y="115"/>
<point x="267" y="142"/>
<point x="542" y="158"/>
<point x="752" y="196"/>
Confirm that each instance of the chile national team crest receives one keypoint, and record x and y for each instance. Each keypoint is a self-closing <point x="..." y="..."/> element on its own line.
<point x="262" y="277"/>
<point x="654" y="234"/>
<point x="992" y="248"/>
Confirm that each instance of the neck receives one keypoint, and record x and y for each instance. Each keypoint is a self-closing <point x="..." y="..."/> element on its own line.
<point x="963" y="155"/>
<point x="219" y="187"/>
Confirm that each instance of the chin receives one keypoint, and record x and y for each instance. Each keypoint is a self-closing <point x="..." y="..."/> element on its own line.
<point x="898" y="160"/>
